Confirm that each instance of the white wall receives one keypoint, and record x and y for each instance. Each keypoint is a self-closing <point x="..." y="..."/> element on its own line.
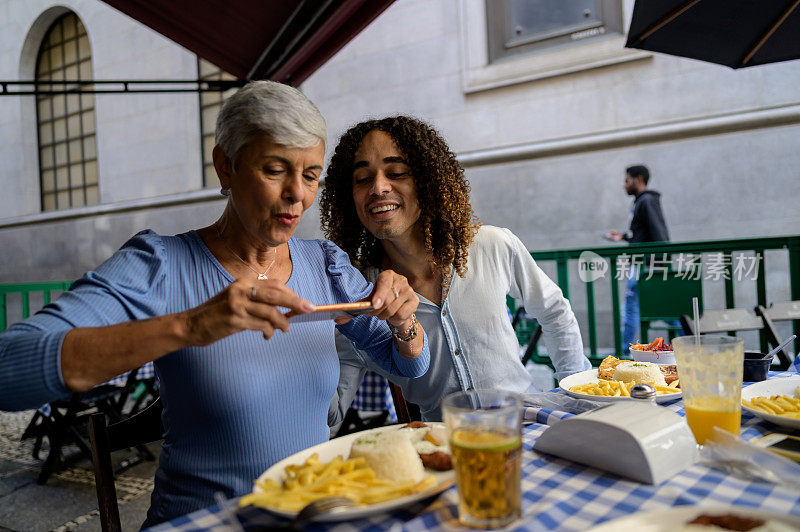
<point x="411" y="60"/>
<point x="148" y="144"/>
<point x="545" y="138"/>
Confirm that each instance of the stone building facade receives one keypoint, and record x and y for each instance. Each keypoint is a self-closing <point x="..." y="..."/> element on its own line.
<point x="544" y="134"/>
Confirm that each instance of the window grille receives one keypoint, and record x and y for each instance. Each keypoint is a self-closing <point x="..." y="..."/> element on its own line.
<point x="66" y="122"/>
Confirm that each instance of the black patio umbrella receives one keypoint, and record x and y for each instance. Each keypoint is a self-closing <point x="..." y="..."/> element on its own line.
<point x="735" y="33"/>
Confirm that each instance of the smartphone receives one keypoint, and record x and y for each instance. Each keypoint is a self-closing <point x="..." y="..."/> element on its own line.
<point x="330" y="312"/>
<point x="784" y="444"/>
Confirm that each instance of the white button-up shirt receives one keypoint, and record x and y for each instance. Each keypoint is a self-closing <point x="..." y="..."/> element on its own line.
<point x="471" y="340"/>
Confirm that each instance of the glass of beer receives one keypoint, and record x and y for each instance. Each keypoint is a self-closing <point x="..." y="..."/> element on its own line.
<point x="710" y="371"/>
<point x="485" y="433"/>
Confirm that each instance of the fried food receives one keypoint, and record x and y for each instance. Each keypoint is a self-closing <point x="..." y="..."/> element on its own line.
<point x="314" y="480"/>
<point x="607" y="367"/>
<point x="438" y="461"/>
<point x="611" y="388"/>
<point x="432" y="449"/>
<point x="670" y="373"/>
<point x="779" y="405"/>
<point x="727" y="522"/>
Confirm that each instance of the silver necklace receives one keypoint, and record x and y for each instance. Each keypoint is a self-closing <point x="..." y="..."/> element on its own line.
<point x="261" y="276"/>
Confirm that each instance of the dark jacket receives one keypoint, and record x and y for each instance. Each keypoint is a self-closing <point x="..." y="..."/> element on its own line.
<point x="647" y="222"/>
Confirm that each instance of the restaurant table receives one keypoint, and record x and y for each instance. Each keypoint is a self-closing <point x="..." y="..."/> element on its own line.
<point x="557" y="494"/>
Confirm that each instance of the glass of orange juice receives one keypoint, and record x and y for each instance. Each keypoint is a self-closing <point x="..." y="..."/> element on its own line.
<point x="710" y="372"/>
<point x="485" y="433"/>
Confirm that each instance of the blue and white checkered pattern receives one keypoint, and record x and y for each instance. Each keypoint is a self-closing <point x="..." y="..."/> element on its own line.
<point x="558" y="494"/>
<point x="145" y="372"/>
<point x="374" y="395"/>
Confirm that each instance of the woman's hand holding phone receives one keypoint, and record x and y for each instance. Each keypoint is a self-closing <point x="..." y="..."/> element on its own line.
<point x="336" y="312"/>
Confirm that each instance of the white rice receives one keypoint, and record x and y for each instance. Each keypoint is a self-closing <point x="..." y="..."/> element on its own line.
<point x="639" y="372"/>
<point x="390" y="455"/>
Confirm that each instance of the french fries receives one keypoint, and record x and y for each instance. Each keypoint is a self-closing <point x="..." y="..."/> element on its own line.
<point x="609" y="388"/>
<point x="779" y="405"/>
<point x="314" y="480"/>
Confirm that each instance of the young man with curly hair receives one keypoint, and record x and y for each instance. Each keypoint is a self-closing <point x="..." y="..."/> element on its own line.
<point x="396" y="198"/>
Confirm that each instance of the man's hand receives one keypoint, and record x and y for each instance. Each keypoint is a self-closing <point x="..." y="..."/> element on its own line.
<point x="394" y="300"/>
<point x="614" y="236"/>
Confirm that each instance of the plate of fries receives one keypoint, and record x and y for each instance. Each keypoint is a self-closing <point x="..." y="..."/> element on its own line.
<point x="587" y="385"/>
<point x="774" y="401"/>
<point x="325" y="470"/>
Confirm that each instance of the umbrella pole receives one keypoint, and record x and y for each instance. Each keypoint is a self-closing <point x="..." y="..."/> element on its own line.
<point x="666" y="19"/>
<point x="764" y="38"/>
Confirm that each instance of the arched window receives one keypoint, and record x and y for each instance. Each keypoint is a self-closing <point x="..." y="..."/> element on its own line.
<point x="66" y="122"/>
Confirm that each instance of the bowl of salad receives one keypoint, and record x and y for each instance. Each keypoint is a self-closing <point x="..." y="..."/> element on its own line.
<point x="657" y="352"/>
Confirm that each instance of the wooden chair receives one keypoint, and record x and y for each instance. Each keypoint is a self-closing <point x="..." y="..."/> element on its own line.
<point x="779" y="311"/>
<point x="727" y="321"/>
<point x="354" y="422"/>
<point x="406" y="412"/>
<point x="529" y="332"/>
<point x="144" y="427"/>
<point x="65" y="421"/>
<point x="370" y="406"/>
<point x="723" y="321"/>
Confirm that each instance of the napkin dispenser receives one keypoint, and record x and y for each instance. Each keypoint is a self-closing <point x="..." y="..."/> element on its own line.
<point x="636" y="440"/>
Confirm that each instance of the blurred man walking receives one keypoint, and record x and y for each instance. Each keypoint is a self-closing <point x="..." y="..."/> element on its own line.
<point x="646" y="225"/>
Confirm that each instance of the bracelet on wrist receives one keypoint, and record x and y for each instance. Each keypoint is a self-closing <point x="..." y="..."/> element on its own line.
<point x="409" y="334"/>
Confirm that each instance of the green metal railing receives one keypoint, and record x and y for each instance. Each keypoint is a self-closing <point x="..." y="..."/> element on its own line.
<point x="726" y="248"/>
<point x="25" y="290"/>
<point x="563" y="259"/>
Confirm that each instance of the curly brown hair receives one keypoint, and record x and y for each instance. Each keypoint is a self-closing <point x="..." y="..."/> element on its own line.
<point x="446" y="217"/>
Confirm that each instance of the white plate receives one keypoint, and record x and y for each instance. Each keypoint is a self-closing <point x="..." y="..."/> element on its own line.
<point x="768" y="388"/>
<point x="341" y="447"/>
<point x="590" y="375"/>
<point x="671" y="519"/>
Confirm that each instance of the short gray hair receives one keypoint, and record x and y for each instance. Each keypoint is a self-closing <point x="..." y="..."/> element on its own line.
<point x="267" y="107"/>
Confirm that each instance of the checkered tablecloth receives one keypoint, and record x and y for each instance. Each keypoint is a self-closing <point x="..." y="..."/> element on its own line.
<point x="557" y="494"/>
<point x="145" y="372"/>
<point x="374" y="395"/>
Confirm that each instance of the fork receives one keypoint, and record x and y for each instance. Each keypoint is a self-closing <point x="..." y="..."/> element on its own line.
<point x="307" y="513"/>
<point x="320" y="507"/>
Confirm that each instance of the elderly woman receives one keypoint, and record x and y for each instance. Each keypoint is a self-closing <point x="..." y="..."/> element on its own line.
<point x="242" y="386"/>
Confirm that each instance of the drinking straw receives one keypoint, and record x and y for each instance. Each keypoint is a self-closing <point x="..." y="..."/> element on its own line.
<point x="696" y="310"/>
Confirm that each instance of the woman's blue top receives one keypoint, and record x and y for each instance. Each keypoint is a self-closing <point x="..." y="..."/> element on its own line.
<point x="231" y="409"/>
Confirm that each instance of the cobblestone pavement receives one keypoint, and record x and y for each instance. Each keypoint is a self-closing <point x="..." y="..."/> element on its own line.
<point x="68" y="501"/>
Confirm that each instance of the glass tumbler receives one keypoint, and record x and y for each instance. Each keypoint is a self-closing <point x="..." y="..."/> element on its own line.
<point x="485" y="433"/>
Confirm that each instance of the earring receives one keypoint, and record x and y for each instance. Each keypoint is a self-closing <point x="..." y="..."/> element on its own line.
<point x="225" y="192"/>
